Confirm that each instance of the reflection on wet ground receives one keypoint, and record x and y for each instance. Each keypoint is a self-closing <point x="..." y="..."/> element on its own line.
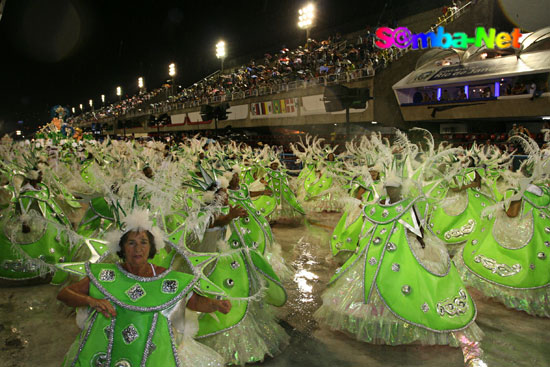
<point x="36" y="331"/>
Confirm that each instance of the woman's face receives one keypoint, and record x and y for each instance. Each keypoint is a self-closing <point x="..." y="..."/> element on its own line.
<point x="137" y="248"/>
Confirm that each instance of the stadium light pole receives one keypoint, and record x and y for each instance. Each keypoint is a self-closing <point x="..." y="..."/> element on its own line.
<point x="172" y="73"/>
<point x="119" y="94"/>
<point x="220" y="53"/>
<point x="305" y="18"/>
<point x="140" y="85"/>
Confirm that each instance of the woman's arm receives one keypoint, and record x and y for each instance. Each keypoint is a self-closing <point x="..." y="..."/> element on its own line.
<point x="234" y="212"/>
<point x="77" y="295"/>
<point x="254" y="194"/>
<point x="203" y="304"/>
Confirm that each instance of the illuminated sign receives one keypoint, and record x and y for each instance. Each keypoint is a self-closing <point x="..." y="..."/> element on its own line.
<point x="402" y="37"/>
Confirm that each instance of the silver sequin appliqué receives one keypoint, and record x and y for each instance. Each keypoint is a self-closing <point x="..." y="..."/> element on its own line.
<point x="462" y="231"/>
<point x="454" y="306"/>
<point x="107" y="275"/>
<point x="129" y="334"/>
<point x="123" y="363"/>
<point x="502" y="270"/>
<point x="169" y="286"/>
<point x="135" y="292"/>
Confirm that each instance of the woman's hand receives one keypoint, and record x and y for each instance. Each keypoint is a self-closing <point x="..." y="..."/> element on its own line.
<point x="103" y="306"/>
<point x="237" y="212"/>
<point x="224" y="306"/>
<point x="203" y="304"/>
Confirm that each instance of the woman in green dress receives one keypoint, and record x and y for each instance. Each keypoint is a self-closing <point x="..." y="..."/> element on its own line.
<point x="132" y="307"/>
<point x="399" y="285"/>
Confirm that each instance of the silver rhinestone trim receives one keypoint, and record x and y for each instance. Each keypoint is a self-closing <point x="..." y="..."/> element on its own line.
<point x="110" y="344"/>
<point x="173" y="343"/>
<point x="149" y="346"/>
<point x="391" y="246"/>
<point x="140" y="278"/>
<point x="85" y="338"/>
<point x="425" y="307"/>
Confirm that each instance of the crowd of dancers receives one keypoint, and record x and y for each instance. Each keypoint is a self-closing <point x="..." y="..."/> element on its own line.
<point x="421" y="223"/>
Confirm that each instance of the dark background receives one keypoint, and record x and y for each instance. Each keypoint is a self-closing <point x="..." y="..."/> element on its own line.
<point x="68" y="51"/>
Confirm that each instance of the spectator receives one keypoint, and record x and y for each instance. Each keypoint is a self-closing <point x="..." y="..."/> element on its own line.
<point x="535" y="92"/>
<point x="508" y="89"/>
<point x="417" y="97"/>
<point x="513" y="131"/>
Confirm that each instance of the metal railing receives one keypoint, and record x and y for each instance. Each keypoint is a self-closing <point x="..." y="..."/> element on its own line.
<point x="322" y="80"/>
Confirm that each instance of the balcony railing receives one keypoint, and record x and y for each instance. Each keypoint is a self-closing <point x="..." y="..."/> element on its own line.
<point x="322" y="80"/>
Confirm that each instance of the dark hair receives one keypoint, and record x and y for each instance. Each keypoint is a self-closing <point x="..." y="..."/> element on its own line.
<point x="124" y="238"/>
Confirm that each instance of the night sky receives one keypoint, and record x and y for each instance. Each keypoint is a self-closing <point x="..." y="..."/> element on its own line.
<point x="68" y="51"/>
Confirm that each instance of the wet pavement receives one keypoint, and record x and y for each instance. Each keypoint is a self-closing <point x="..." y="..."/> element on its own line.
<point x="35" y="330"/>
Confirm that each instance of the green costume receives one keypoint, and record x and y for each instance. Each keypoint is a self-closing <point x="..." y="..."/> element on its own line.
<point x="282" y="199"/>
<point x="141" y="333"/>
<point x="250" y="330"/>
<point x="321" y="191"/>
<point x="389" y="291"/>
<point x="507" y="258"/>
<point x="31" y="242"/>
<point x="346" y="233"/>
<point x="254" y="229"/>
<point x="456" y="223"/>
